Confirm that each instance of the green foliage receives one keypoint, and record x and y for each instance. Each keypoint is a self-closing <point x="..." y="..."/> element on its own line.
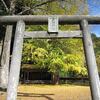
<point x="96" y="41"/>
<point x="56" y="65"/>
<point x="28" y="49"/>
<point x="25" y="5"/>
<point x="39" y="56"/>
<point x="75" y="65"/>
<point x="50" y="54"/>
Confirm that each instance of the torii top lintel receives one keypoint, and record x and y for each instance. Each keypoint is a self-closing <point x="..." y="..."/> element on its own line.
<point x="43" y="19"/>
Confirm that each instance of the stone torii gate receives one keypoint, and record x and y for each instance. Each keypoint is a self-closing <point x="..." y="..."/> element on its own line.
<point x="53" y="32"/>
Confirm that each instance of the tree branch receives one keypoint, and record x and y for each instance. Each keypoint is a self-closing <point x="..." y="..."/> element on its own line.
<point x="5" y="5"/>
<point x="49" y="1"/>
<point x="12" y="7"/>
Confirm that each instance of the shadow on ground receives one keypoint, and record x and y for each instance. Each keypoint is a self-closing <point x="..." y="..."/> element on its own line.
<point x="47" y="96"/>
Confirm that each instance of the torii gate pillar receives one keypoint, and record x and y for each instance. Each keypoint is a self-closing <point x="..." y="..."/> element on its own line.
<point x="91" y="61"/>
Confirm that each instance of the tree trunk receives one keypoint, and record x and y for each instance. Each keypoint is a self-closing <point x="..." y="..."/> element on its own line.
<point x="5" y="58"/>
<point x="55" y="78"/>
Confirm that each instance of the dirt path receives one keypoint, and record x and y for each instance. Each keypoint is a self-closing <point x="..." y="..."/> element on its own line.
<point x="47" y="92"/>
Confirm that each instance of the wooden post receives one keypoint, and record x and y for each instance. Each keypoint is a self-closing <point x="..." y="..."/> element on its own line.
<point x="5" y="57"/>
<point x="6" y="49"/>
<point x="15" y="62"/>
<point x="91" y="61"/>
